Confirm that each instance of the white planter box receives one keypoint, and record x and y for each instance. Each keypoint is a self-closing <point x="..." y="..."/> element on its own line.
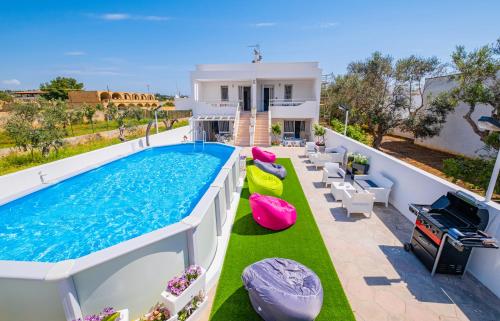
<point x="172" y="318"/>
<point x="177" y="303"/>
<point x="196" y="315"/>
<point x="123" y="314"/>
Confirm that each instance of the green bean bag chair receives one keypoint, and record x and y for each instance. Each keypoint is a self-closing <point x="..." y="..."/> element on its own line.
<point x="263" y="183"/>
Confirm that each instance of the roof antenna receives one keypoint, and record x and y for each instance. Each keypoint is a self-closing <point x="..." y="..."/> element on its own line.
<point x="257" y="54"/>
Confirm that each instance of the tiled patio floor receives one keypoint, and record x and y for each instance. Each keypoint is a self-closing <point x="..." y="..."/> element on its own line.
<point x="381" y="280"/>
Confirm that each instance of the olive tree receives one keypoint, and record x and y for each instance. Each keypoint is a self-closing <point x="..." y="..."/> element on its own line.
<point x="39" y="126"/>
<point x="477" y="78"/>
<point x="381" y="95"/>
<point x="89" y="112"/>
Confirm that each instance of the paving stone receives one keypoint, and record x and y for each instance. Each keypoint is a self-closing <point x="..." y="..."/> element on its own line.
<point x="390" y="302"/>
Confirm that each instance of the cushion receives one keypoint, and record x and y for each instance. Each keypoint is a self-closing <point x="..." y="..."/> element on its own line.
<point x="271" y="168"/>
<point x="271" y="212"/>
<point x="263" y="155"/>
<point x="283" y="290"/>
<point x="262" y="182"/>
<point x="366" y="183"/>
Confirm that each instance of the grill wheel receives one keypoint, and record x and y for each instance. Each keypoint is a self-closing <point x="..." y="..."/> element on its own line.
<point x="408" y="247"/>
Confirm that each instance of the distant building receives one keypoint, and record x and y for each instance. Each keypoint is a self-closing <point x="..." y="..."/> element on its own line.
<point x="26" y="95"/>
<point x="456" y="135"/>
<point x="119" y="99"/>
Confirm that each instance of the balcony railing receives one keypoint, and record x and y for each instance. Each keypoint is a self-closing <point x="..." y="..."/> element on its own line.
<point x="222" y="103"/>
<point x="287" y="102"/>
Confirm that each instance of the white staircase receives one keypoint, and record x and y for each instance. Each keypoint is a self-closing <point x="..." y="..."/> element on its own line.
<point x="262" y="134"/>
<point x="243" y="135"/>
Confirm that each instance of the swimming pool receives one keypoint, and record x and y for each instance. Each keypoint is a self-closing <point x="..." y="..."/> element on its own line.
<point x="110" y="204"/>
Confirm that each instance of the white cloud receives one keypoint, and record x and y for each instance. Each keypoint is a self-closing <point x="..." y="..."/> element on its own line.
<point x="265" y="24"/>
<point x="75" y="53"/>
<point x="326" y="25"/>
<point x="11" y="82"/>
<point x="93" y="72"/>
<point x="155" y="18"/>
<point x="115" y="16"/>
<point x="322" y="25"/>
<point x="126" y="16"/>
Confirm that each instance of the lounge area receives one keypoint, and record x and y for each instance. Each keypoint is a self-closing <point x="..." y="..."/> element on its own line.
<point x="380" y="279"/>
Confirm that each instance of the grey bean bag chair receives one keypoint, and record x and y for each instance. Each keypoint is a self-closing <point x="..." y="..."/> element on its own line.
<point x="271" y="168"/>
<point x="283" y="290"/>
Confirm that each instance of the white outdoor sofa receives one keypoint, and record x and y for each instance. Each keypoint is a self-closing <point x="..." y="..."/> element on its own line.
<point x="358" y="202"/>
<point x="332" y="172"/>
<point x="378" y="185"/>
<point x="331" y="155"/>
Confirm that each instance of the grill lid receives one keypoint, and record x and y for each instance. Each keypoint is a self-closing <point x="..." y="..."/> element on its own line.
<point x="464" y="207"/>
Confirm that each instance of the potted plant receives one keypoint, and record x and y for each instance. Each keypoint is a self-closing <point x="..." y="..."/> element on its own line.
<point x="182" y="289"/>
<point x="360" y="164"/>
<point x="107" y="314"/>
<point x="276" y="131"/>
<point x="193" y="309"/>
<point x="158" y="312"/>
<point x="319" y="133"/>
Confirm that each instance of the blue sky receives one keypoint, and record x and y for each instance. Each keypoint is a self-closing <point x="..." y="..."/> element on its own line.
<point x="128" y="45"/>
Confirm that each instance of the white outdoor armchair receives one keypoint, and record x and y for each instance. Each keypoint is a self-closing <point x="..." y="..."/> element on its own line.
<point x="358" y="202"/>
<point x="378" y="185"/>
<point x="338" y="153"/>
<point x="320" y="159"/>
<point x="332" y="173"/>
<point x="309" y="148"/>
<point x="331" y="155"/>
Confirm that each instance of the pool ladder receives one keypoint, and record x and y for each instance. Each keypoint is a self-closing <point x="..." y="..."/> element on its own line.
<point x="197" y="141"/>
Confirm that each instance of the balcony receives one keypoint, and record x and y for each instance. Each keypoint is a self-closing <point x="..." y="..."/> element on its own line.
<point x="294" y="108"/>
<point x="215" y="107"/>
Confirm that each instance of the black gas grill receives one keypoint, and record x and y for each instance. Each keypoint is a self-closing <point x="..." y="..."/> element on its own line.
<point x="446" y="232"/>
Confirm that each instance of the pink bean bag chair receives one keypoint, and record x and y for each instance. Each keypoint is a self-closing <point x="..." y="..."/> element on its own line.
<point x="271" y="212"/>
<point x="263" y="155"/>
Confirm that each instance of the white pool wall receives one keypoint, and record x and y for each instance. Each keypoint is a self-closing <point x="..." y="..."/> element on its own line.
<point x="129" y="275"/>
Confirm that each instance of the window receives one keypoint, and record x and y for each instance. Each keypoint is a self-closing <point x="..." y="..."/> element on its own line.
<point x="224" y="93"/>
<point x="289" y="129"/>
<point x="223" y="127"/>
<point x="288" y="92"/>
<point x="294" y="129"/>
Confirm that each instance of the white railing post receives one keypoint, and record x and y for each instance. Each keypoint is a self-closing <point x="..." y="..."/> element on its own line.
<point x="269" y="127"/>
<point x="236" y="124"/>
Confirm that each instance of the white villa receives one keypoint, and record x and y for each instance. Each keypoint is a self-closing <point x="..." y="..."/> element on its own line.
<point x="241" y="101"/>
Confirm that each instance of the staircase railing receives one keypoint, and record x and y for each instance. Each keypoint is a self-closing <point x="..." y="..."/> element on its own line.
<point x="251" y="128"/>
<point x="269" y="127"/>
<point x="236" y="124"/>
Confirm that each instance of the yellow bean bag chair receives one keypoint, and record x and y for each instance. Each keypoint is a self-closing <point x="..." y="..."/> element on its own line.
<point x="263" y="183"/>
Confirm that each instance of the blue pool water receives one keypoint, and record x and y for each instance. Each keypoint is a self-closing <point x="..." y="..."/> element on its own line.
<point x="113" y="203"/>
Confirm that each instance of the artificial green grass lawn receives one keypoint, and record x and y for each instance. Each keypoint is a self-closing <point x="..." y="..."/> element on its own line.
<point x="302" y="242"/>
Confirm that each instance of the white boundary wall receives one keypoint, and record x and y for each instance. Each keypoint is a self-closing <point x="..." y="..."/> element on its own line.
<point x="131" y="274"/>
<point x="413" y="185"/>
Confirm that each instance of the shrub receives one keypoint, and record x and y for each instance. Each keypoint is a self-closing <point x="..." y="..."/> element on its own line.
<point x="476" y="172"/>
<point x="355" y="132"/>
<point x="276" y="131"/>
<point x="319" y="132"/>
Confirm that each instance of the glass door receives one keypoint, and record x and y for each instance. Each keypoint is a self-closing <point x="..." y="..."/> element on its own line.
<point x="268" y="94"/>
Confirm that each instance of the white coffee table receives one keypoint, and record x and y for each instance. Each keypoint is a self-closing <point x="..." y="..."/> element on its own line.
<point x="338" y="189"/>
